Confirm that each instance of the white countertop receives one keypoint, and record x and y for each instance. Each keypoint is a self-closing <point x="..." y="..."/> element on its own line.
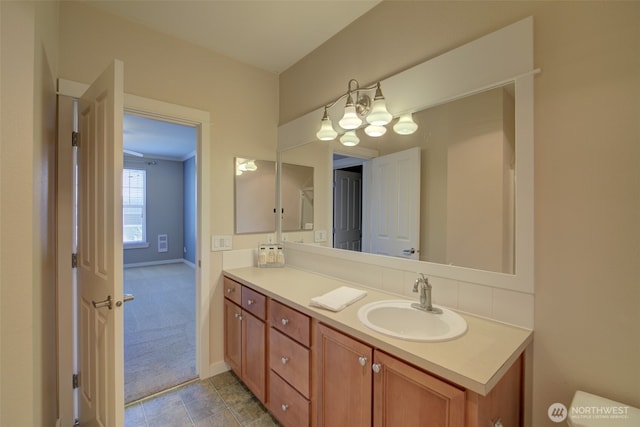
<point x="475" y="361"/>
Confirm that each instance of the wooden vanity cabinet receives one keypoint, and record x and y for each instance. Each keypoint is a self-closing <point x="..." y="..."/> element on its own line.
<point x="245" y="335"/>
<point x="343" y="379"/>
<point x="389" y="392"/>
<point x="307" y="373"/>
<point x="406" y="396"/>
<point x="289" y="363"/>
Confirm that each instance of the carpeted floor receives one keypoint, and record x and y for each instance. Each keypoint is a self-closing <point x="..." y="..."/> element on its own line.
<point x="159" y="329"/>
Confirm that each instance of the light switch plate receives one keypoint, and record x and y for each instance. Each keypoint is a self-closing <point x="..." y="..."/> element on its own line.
<point x="221" y="243"/>
<point x="320" y="236"/>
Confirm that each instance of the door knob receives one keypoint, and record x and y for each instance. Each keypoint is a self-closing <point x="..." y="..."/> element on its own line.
<point x="104" y="303"/>
<point x="125" y="298"/>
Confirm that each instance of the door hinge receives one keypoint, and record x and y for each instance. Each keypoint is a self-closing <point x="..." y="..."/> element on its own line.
<point x="74" y="260"/>
<point x="75" y="137"/>
<point x="76" y="381"/>
<point x="76" y="423"/>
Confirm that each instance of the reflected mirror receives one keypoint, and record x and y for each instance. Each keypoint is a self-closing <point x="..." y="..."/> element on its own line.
<point x="466" y="185"/>
<point x="255" y="189"/>
<point x="296" y="185"/>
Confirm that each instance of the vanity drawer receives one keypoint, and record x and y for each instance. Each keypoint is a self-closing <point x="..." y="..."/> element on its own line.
<point x="286" y="404"/>
<point x="290" y="360"/>
<point x="254" y="302"/>
<point x="232" y="290"/>
<point x="291" y="322"/>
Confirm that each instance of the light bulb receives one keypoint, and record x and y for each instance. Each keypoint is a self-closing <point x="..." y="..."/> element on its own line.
<point x="326" y="132"/>
<point x="405" y="125"/>
<point x="379" y="115"/>
<point x="350" y="119"/>
<point x="375" y="131"/>
<point x="350" y="139"/>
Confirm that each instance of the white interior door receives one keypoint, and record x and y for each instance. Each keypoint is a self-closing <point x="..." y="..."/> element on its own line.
<point x="100" y="311"/>
<point x="394" y="197"/>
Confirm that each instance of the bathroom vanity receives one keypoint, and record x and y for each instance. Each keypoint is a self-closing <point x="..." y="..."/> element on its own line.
<point x="316" y="367"/>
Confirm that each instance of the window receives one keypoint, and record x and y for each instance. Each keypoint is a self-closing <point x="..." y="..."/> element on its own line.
<point x="134" y="214"/>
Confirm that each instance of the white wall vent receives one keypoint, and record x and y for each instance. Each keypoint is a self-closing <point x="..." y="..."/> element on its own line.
<point x="163" y="243"/>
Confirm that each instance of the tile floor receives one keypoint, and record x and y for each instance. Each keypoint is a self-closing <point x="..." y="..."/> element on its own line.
<point x="218" y="401"/>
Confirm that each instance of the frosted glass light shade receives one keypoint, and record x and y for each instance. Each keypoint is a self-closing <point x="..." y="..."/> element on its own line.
<point x="350" y="120"/>
<point x="375" y="131"/>
<point x="405" y="125"/>
<point x="350" y="139"/>
<point x="379" y="115"/>
<point x="326" y="132"/>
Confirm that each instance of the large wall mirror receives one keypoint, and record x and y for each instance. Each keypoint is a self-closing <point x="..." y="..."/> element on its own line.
<point x="474" y="110"/>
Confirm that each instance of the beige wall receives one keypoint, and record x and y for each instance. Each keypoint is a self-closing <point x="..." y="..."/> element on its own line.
<point x="587" y="176"/>
<point x="242" y="102"/>
<point x="27" y="220"/>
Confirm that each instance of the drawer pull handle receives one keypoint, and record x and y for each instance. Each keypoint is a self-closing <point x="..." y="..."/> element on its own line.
<point x="376" y="367"/>
<point x="362" y="360"/>
<point x="250" y="301"/>
<point x="284" y="360"/>
<point x="284" y="321"/>
<point x="229" y="290"/>
<point x="284" y="407"/>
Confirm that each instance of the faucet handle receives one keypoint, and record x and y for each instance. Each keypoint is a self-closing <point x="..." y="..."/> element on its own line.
<point x="415" y="285"/>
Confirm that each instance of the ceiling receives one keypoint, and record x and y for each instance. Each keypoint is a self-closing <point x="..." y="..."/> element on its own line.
<point x="270" y="35"/>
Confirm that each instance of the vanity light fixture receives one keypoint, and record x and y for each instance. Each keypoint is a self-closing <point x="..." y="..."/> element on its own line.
<point x="326" y="132"/>
<point x="405" y="125"/>
<point x="350" y="138"/>
<point x="375" y="113"/>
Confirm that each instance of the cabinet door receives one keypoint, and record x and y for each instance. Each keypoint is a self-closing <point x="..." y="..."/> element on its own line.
<point x="343" y="380"/>
<point x="254" y="354"/>
<point x="406" y="396"/>
<point x="233" y="336"/>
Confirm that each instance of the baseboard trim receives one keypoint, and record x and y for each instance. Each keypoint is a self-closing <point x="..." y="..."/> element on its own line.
<point x="215" y="369"/>
<point x="161" y="262"/>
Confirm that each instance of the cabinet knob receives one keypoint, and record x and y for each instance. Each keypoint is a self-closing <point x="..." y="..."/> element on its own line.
<point x="284" y="406"/>
<point x="250" y="301"/>
<point x="236" y="314"/>
<point x="284" y="321"/>
<point x="362" y="360"/>
<point x="229" y="290"/>
<point x="376" y="367"/>
<point x="284" y="360"/>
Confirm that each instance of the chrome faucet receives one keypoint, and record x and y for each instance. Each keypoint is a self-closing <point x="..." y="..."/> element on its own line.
<point x="423" y="286"/>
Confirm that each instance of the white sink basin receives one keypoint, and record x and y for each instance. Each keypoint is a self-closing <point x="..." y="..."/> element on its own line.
<point x="398" y="319"/>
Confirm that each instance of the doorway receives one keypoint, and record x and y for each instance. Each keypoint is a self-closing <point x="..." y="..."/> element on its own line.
<point x="67" y="301"/>
<point x="347" y="202"/>
<point x="159" y="241"/>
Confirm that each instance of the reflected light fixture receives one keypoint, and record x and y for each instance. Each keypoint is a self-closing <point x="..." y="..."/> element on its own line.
<point x="245" y="165"/>
<point x="357" y="107"/>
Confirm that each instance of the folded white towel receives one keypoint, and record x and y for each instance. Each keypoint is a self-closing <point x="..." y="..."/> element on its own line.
<point x="338" y="299"/>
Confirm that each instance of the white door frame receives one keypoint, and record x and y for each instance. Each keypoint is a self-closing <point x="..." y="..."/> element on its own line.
<point x="167" y="112"/>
